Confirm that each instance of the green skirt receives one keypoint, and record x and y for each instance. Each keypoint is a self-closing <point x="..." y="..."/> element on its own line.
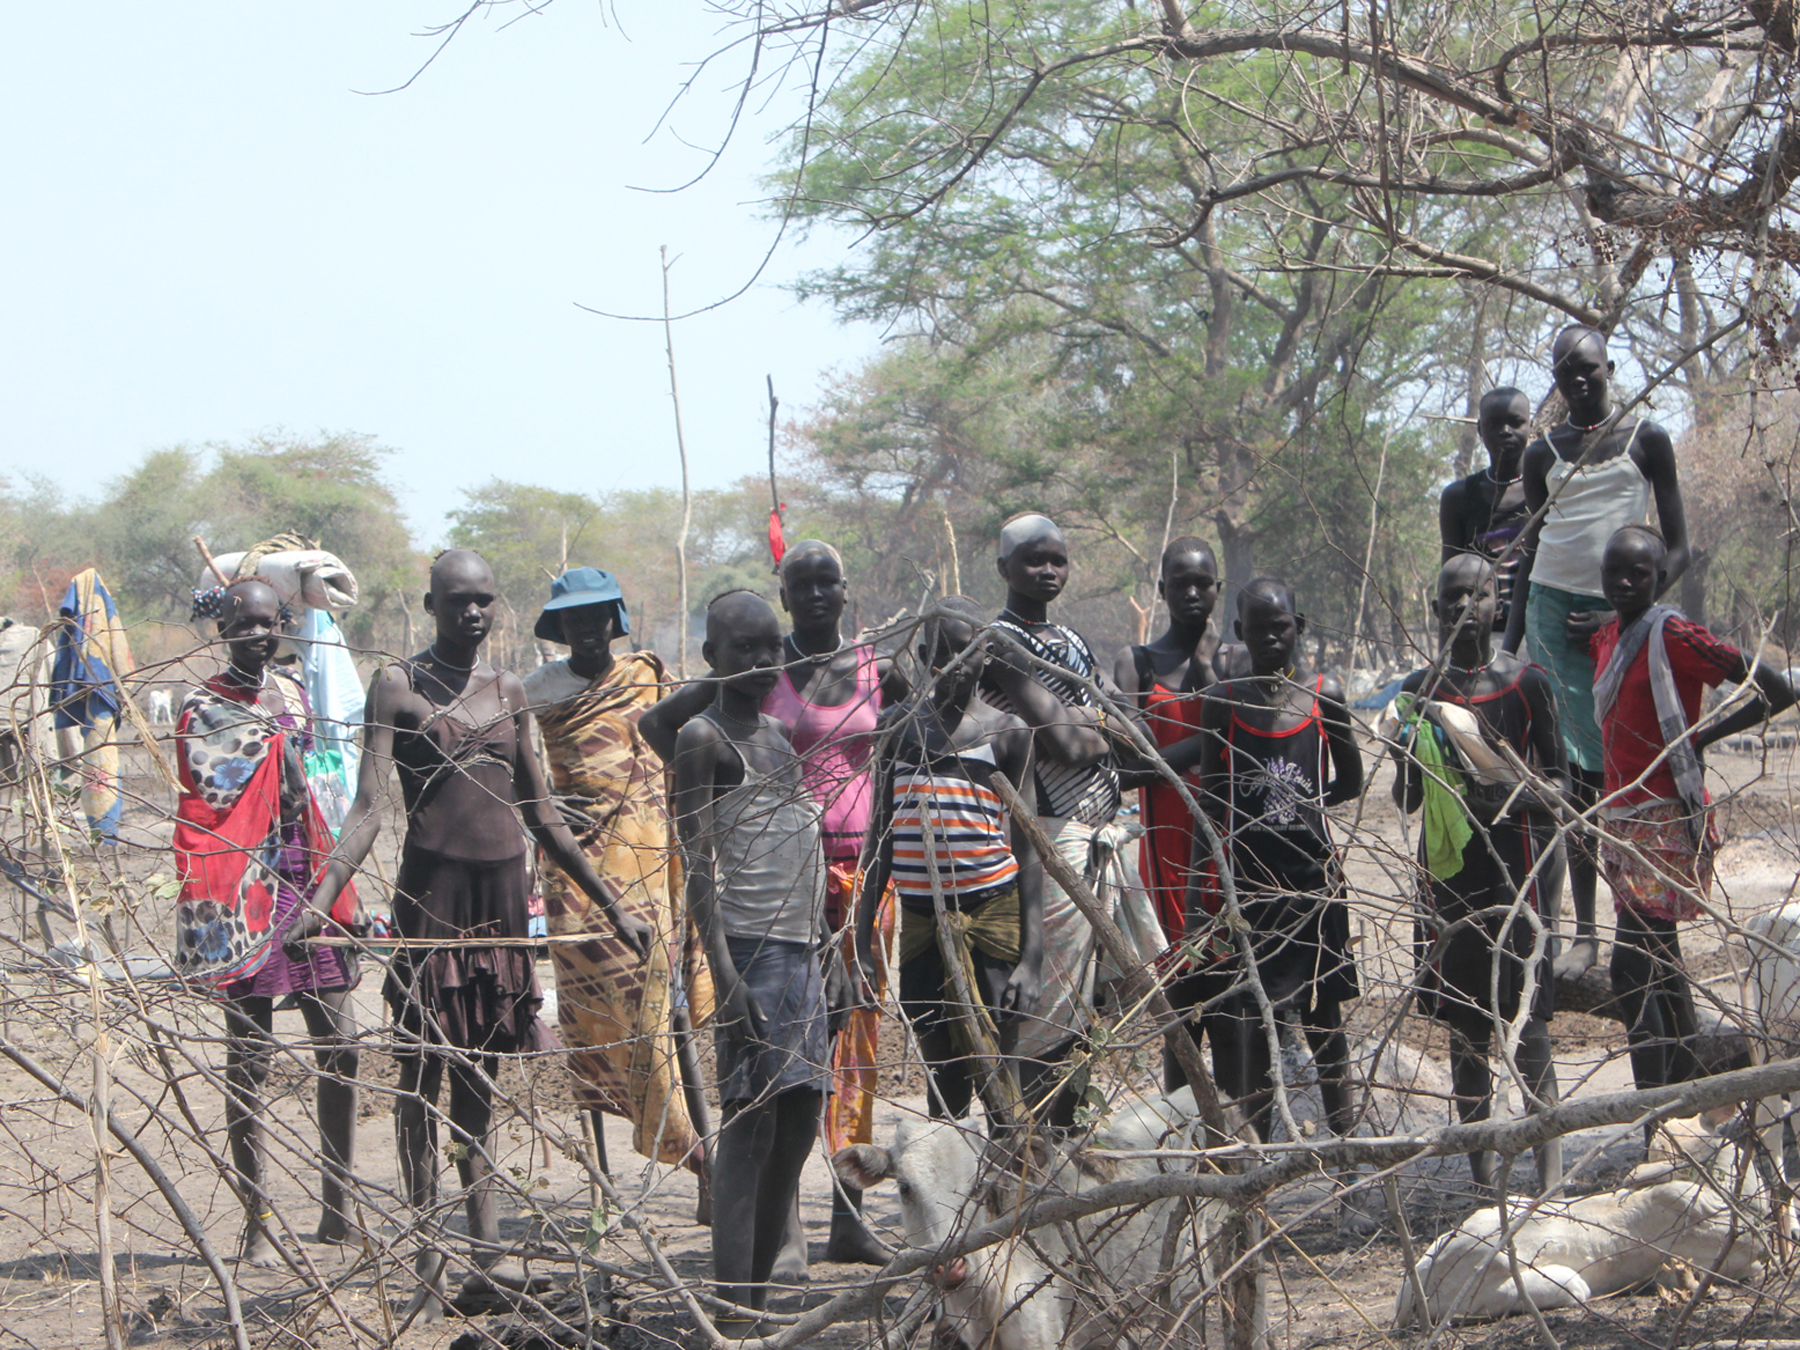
<point x="1570" y="669"/>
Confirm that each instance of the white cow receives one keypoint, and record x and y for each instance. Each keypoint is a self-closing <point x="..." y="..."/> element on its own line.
<point x="1676" y="1211"/>
<point x="1772" y="1000"/>
<point x="1005" y="1296"/>
<point x="162" y="707"/>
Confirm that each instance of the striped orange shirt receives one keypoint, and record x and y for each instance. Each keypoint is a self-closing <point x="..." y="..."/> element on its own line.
<point x="967" y="828"/>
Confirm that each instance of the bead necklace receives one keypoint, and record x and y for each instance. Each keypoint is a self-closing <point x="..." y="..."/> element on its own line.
<point x="438" y="656"/>
<point x="1273" y="683"/>
<point x="1021" y="620"/>
<point x="813" y="658"/>
<point x="1469" y="670"/>
<point x="239" y="678"/>
<point x="718" y="714"/>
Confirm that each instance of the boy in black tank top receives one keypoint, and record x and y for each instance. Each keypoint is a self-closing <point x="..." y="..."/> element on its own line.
<point x="1487" y="896"/>
<point x="1485" y="513"/>
<point x="1265" y="742"/>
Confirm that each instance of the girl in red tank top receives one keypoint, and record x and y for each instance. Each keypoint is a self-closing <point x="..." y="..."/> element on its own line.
<point x="1166" y="679"/>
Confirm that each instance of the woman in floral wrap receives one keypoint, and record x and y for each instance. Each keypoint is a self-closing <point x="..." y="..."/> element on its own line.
<point x="249" y="840"/>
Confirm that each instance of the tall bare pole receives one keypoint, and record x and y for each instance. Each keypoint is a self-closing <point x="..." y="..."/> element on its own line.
<point x="1362" y="589"/>
<point x="687" y="499"/>
<point x="774" y="492"/>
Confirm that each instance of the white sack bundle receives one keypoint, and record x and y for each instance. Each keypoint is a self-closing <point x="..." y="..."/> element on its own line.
<point x="311" y="576"/>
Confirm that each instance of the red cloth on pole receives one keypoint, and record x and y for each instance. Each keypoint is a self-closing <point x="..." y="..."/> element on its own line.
<point x="777" y="545"/>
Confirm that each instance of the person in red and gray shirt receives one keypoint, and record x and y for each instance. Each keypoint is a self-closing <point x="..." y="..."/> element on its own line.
<point x="1658" y="839"/>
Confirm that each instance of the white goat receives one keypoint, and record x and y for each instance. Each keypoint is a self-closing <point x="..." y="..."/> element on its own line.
<point x="1772" y="1000"/>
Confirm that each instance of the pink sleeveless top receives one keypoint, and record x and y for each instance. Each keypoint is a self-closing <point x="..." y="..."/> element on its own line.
<point x="834" y="743"/>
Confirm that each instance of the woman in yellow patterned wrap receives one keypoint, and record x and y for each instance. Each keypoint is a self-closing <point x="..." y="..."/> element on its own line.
<point x="623" y="1021"/>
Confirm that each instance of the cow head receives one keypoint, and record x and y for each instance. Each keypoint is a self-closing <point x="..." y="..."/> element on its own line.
<point x="947" y="1175"/>
<point x="935" y="1167"/>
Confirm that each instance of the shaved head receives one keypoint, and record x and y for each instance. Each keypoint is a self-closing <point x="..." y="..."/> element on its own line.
<point x="953" y="609"/>
<point x="733" y="611"/>
<point x="1641" y="537"/>
<point x="1504" y="394"/>
<point x="244" y="592"/>
<point x="1471" y="566"/>
<point x="810" y="548"/>
<point x="1188" y="545"/>
<point x="1576" y="335"/>
<point x="245" y="587"/>
<point x="1269" y="590"/>
<point x="1023" y="530"/>
<point x="460" y="566"/>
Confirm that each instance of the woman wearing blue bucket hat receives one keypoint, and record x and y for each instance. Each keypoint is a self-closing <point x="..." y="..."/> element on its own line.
<point x="621" y="1020"/>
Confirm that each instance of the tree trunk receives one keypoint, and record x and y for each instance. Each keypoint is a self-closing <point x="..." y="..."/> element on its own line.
<point x="1237" y="547"/>
<point x="1468" y="442"/>
<point x="1396" y="627"/>
<point x="1693" y="586"/>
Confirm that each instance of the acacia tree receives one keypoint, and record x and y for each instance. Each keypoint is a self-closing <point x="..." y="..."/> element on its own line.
<point x="140" y="529"/>
<point x="530" y="534"/>
<point x="1240" y="367"/>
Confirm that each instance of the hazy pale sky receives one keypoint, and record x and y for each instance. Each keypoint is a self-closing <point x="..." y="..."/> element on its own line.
<point x="209" y="233"/>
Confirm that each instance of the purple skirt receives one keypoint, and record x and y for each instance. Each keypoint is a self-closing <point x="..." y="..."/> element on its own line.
<point x="324" y="968"/>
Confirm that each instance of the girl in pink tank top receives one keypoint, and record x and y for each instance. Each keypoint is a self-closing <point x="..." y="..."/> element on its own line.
<point x="834" y="742"/>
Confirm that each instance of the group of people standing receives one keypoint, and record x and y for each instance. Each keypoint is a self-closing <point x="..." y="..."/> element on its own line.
<point x="741" y="849"/>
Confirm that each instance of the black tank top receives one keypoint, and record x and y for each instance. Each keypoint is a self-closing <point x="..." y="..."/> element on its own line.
<point x="457" y="782"/>
<point x="1279" y="836"/>
<point x="1490" y="530"/>
<point x="1505" y="717"/>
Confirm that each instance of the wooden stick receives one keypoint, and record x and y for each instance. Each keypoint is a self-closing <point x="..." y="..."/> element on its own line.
<point x="206" y="555"/>
<point x="774" y="493"/>
<point x="437" y="944"/>
<point x="687" y="498"/>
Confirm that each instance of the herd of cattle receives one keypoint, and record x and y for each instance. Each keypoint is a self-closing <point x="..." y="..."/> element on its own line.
<point x="1708" y="1204"/>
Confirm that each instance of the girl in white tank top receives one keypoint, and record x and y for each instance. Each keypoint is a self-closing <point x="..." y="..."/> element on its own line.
<point x="1588" y="503"/>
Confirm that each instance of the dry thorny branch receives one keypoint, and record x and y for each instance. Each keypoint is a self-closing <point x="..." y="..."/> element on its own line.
<point x="142" y="1195"/>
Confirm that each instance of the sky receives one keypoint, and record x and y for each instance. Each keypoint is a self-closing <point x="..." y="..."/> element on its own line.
<point x="212" y="231"/>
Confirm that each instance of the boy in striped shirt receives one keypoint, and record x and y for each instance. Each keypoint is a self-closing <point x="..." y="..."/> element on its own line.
<point x="941" y="836"/>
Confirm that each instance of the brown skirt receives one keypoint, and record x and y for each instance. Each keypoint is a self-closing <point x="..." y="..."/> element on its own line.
<point x="482" y="999"/>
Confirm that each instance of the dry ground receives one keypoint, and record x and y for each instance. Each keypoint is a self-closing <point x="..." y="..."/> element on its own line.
<point x="1328" y="1290"/>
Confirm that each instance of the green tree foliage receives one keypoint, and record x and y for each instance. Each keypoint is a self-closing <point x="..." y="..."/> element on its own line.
<point x="1079" y="349"/>
<point x="530" y="534"/>
<point x="1253" y="249"/>
<point x="140" y="530"/>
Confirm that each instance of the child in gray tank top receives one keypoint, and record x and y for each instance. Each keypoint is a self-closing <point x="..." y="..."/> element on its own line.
<point x="749" y="834"/>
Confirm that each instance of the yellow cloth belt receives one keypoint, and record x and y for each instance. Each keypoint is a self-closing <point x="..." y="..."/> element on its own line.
<point x="992" y="928"/>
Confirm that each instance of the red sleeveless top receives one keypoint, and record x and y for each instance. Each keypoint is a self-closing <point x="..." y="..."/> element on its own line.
<point x="1165" y="851"/>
